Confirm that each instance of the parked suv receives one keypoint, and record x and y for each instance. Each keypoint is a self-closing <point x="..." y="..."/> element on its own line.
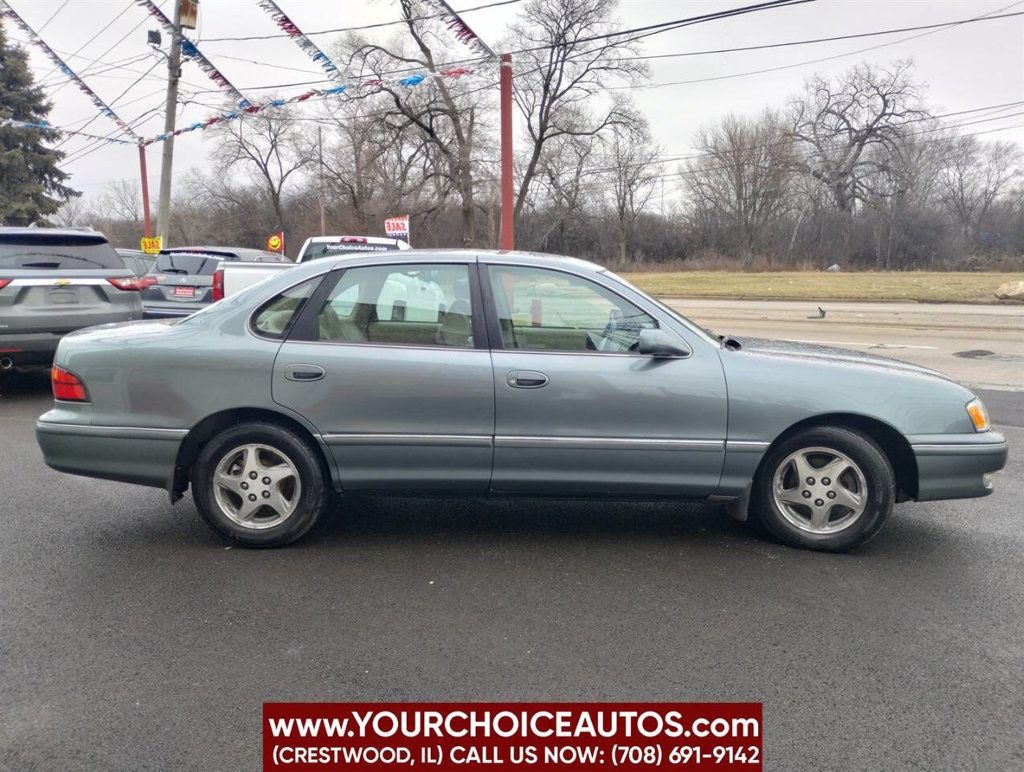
<point x="54" y="281"/>
<point x="181" y="281"/>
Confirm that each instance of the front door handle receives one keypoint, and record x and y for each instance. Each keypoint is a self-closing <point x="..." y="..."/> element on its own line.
<point x="304" y="372"/>
<point x="526" y="379"/>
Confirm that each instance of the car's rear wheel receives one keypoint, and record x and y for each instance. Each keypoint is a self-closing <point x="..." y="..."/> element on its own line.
<point x="826" y="488"/>
<point x="258" y="484"/>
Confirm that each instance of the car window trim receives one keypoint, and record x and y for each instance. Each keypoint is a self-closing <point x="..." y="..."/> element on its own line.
<point x="304" y="328"/>
<point x="494" y="324"/>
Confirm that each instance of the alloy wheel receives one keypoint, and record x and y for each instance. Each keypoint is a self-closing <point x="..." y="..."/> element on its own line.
<point x="820" y="490"/>
<point x="256" y="486"/>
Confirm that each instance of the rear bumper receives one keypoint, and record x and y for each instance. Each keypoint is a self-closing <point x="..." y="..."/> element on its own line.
<point x="30" y="348"/>
<point x="141" y="456"/>
<point x="958" y="469"/>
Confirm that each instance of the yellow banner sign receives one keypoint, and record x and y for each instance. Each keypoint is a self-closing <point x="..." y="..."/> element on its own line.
<point x="151" y="246"/>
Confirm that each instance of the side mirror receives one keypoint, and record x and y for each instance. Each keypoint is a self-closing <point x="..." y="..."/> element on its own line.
<point x="659" y="343"/>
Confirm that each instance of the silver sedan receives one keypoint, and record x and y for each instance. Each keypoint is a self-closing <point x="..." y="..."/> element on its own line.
<point x="472" y="372"/>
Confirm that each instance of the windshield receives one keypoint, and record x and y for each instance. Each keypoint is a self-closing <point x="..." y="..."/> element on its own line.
<point x="192" y="263"/>
<point x="57" y="253"/>
<point x="333" y="249"/>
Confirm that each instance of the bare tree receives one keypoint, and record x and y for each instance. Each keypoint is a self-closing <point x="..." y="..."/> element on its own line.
<point x="743" y="180"/>
<point x="123" y="200"/>
<point x="973" y="176"/>
<point x="441" y="110"/>
<point x="563" y="75"/>
<point x="633" y="176"/>
<point x="839" y="122"/>
<point x="74" y="212"/>
<point x="562" y="184"/>
<point x="269" y="146"/>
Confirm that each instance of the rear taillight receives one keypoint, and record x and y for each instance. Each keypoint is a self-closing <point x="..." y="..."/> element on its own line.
<point x="129" y="284"/>
<point x="218" y="284"/>
<point x="5" y="282"/>
<point x="67" y="386"/>
<point x="146" y="281"/>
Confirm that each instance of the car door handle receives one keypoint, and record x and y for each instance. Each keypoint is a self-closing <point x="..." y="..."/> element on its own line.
<point x="526" y="379"/>
<point x="304" y="372"/>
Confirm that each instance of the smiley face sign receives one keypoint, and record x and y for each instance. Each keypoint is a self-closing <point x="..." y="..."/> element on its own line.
<point x="275" y="242"/>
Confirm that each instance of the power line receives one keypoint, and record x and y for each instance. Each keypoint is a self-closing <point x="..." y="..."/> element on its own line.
<point x="91" y="39"/>
<point x="829" y="39"/>
<point x="364" y="26"/>
<point x="948" y="25"/>
<point x="647" y="31"/>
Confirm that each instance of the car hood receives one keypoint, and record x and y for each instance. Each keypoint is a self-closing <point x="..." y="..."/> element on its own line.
<point x="839" y="356"/>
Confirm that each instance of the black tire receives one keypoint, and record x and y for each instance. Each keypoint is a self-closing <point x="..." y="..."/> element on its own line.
<point x="879" y="497"/>
<point x="312" y="497"/>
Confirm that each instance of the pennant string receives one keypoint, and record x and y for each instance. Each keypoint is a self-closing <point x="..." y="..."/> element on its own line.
<point x="192" y="53"/>
<point x="9" y="13"/>
<point x="462" y="31"/>
<point x="291" y="29"/>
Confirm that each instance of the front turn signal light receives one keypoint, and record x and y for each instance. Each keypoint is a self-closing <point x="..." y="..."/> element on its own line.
<point x="979" y="415"/>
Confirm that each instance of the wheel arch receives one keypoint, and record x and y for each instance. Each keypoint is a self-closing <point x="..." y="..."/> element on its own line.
<point x="192" y="444"/>
<point x="894" y="445"/>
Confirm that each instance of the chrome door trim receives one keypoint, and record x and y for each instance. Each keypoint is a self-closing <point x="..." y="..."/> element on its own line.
<point x="746" y="446"/>
<point x="606" y="443"/>
<point x="463" y="440"/>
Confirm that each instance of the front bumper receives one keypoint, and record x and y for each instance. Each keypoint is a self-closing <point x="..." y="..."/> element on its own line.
<point x="957" y="466"/>
<point x="142" y="456"/>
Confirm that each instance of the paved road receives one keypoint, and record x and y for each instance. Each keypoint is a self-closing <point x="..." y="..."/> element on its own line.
<point x="131" y="637"/>
<point x="982" y="345"/>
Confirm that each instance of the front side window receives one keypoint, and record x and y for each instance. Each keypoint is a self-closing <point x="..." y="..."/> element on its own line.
<point x="274" y="317"/>
<point x="544" y="310"/>
<point x="424" y="305"/>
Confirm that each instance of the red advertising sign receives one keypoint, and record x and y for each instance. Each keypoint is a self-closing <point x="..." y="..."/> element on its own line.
<point x="397" y="227"/>
<point x="524" y="735"/>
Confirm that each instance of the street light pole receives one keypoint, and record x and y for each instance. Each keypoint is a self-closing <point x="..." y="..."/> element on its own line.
<point x="163" y="219"/>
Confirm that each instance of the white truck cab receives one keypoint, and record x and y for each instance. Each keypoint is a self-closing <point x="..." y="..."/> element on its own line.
<point x="233" y="277"/>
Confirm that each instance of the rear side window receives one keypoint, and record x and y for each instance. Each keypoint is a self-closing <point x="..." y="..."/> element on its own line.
<point x="46" y="252"/>
<point x="188" y="263"/>
<point x="275" y="316"/>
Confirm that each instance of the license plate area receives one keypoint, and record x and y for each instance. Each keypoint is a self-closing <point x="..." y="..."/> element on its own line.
<point x="62" y="296"/>
<point x="184" y="292"/>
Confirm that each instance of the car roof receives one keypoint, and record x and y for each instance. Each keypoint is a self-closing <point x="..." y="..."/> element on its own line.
<point x="10" y="230"/>
<point x="496" y="256"/>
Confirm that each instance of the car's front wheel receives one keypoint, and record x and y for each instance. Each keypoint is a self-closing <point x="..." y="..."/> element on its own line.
<point x="259" y="484"/>
<point x="826" y="488"/>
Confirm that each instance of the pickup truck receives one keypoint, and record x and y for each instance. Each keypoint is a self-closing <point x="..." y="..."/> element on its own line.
<point x="236" y="276"/>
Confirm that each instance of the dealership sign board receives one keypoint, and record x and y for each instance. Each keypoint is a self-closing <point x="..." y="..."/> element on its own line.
<point x="151" y="245"/>
<point x="397" y="227"/>
<point x="275" y="242"/>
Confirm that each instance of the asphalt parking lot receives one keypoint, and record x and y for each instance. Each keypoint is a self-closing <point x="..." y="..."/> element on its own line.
<point x="132" y="637"/>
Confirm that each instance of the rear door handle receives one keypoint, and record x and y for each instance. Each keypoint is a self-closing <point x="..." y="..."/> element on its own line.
<point x="526" y="379"/>
<point x="304" y="372"/>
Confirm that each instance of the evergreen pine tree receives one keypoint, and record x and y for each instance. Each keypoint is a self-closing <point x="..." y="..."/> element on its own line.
<point x="31" y="184"/>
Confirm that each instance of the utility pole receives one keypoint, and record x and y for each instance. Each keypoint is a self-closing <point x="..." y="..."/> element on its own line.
<point x="508" y="227"/>
<point x="163" y="218"/>
<point x="323" y="214"/>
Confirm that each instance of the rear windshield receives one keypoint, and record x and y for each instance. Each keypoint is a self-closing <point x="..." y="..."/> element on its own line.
<point x="191" y="263"/>
<point x="321" y="249"/>
<point x="46" y="252"/>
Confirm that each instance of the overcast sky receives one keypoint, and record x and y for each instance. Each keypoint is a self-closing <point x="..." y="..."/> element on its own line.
<point x="965" y="67"/>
